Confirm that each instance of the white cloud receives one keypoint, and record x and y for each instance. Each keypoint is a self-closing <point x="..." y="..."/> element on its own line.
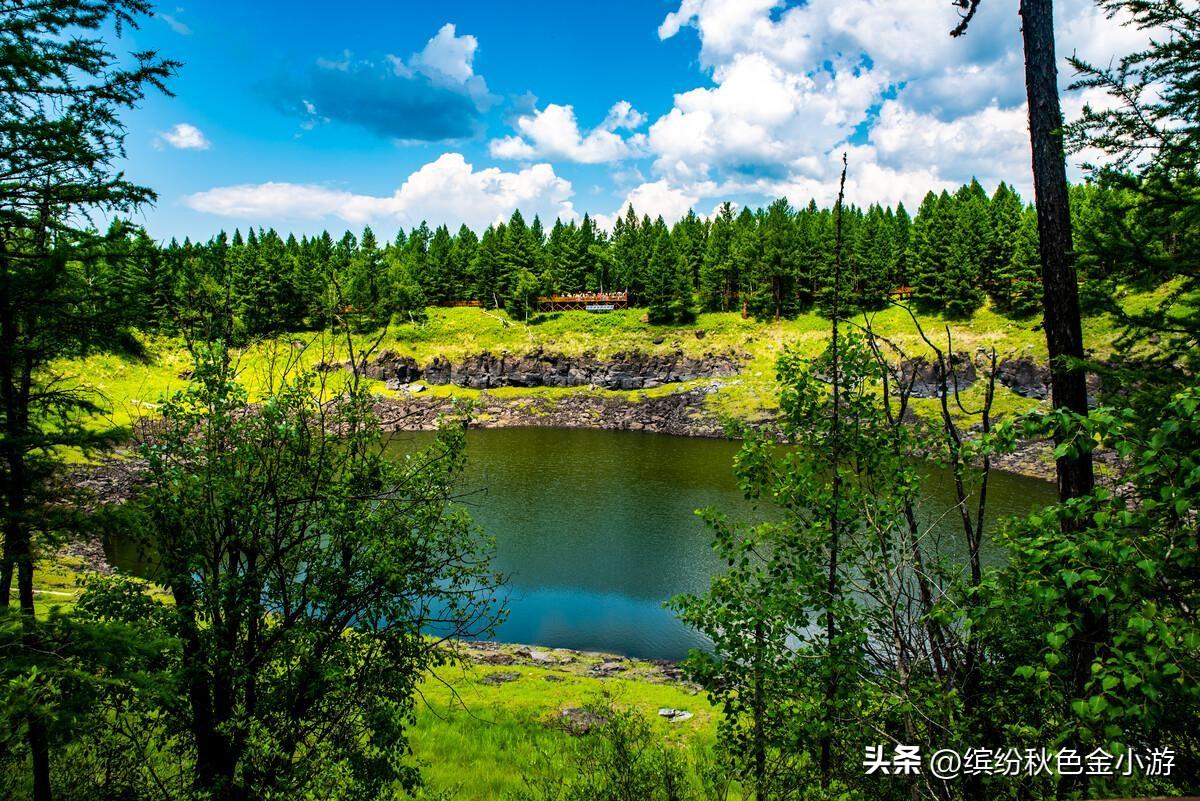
<point x="623" y="115"/>
<point x="447" y="190"/>
<point x="553" y="133"/>
<point x="175" y="24"/>
<point x="448" y="54"/>
<point x="447" y="60"/>
<point x="656" y="198"/>
<point x="795" y="85"/>
<point x="184" y="136"/>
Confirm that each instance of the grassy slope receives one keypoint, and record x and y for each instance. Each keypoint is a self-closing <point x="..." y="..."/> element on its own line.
<point x="479" y="740"/>
<point x="133" y="387"/>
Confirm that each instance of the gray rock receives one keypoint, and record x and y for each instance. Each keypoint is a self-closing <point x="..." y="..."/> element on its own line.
<point x="1024" y="376"/>
<point x="542" y="658"/>
<point x="499" y="678"/>
<point x="579" y="721"/>
<point x="674" y="715"/>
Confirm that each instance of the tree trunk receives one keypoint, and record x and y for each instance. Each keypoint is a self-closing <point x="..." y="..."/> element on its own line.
<point x="1060" y="298"/>
<point x="760" y="704"/>
<point x="1064" y="335"/>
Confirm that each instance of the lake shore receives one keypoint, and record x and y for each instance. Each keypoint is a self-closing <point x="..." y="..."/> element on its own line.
<point x="683" y="413"/>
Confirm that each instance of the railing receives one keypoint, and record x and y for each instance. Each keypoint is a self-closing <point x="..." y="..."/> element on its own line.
<point x="585" y="301"/>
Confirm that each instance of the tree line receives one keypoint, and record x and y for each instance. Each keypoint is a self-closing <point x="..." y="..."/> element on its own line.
<point x="313" y="581"/>
<point x="959" y="250"/>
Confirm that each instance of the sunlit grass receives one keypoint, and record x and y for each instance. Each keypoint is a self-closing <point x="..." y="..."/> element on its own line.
<point x="480" y="741"/>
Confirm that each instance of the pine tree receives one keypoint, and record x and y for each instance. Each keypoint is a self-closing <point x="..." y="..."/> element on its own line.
<point x="969" y="246"/>
<point x="630" y="253"/>
<point x="488" y="268"/>
<point x="462" y="256"/>
<point x="1018" y="284"/>
<point x="746" y="253"/>
<point x="690" y="236"/>
<point x="364" y="278"/>
<point x="439" y="271"/>
<point x="718" y="272"/>
<point x="775" y="273"/>
<point x="668" y="291"/>
<point x="1006" y="212"/>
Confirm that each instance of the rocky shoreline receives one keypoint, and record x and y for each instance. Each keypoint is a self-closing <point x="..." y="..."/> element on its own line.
<point x="681" y="413"/>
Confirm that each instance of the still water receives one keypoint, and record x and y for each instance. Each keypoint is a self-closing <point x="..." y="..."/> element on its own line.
<point x="596" y="529"/>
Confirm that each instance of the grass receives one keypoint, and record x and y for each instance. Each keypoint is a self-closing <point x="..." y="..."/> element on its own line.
<point x="133" y="387"/>
<point x="479" y="741"/>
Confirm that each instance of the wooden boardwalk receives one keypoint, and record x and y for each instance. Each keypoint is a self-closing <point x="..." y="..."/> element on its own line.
<point x="585" y="301"/>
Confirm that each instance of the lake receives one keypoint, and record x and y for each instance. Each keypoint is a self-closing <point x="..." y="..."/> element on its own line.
<point x="596" y="529"/>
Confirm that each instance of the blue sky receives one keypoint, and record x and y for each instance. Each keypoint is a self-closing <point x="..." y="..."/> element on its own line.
<point x="303" y="116"/>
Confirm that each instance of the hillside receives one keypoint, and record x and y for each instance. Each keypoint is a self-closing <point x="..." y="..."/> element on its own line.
<point x="133" y="386"/>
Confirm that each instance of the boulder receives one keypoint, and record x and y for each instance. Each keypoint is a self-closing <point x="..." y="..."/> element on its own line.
<point x="926" y="376"/>
<point x="1024" y="376"/>
<point x="579" y="721"/>
<point x="674" y="715"/>
<point x="542" y="658"/>
<point x="500" y="678"/>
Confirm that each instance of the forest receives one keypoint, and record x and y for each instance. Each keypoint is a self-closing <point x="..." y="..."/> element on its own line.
<point x="316" y="583"/>
<point x="959" y="250"/>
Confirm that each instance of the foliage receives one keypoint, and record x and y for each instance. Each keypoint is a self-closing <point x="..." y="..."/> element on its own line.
<point x="1142" y="213"/>
<point x="1137" y="568"/>
<point x="620" y="758"/>
<point x="307" y="572"/>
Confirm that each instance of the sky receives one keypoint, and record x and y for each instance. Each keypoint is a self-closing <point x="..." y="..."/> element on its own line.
<point x="305" y="116"/>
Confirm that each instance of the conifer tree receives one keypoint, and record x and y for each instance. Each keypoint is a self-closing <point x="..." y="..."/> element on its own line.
<point x="719" y="281"/>
<point x="1007" y="213"/>
<point x="1019" y="285"/>
<point x="462" y="256"/>
<point x="488" y="268"/>
<point x="630" y="252"/>
<point x="776" y="264"/>
<point x="669" y="288"/>
<point x="439" y="271"/>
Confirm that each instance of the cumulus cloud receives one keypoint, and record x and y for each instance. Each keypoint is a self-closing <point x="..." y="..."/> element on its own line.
<point x="794" y="85"/>
<point x="183" y="136"/>
<point x="433" y="95"/>
<point x="655" y="198"/>
<point x="554" y="133"/>
<point x="448" y="190"/>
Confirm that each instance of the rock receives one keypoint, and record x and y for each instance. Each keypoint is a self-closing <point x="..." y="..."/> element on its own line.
<point x="542" y="658"/>
<point x="499" y="678"/>
<point x="1024" y="376"/>
<point x="578" y="721"/>
<point x="553" y="677"/>
<point x="415" y="388"/>
<point x="658" y="340"/>
<point x="674" y="715"/>
<point x="926" y="376"/>
<point x="498" y="658"/>
<point x="522" y="652"/>
<point x="607" y="669"/>
<point x="700" y="333"/>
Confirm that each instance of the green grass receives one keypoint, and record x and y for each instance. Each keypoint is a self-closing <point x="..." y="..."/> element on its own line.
<point x="479" y="741"/>
<point x="131" y="388"/>
<point x="476" y="740"/>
